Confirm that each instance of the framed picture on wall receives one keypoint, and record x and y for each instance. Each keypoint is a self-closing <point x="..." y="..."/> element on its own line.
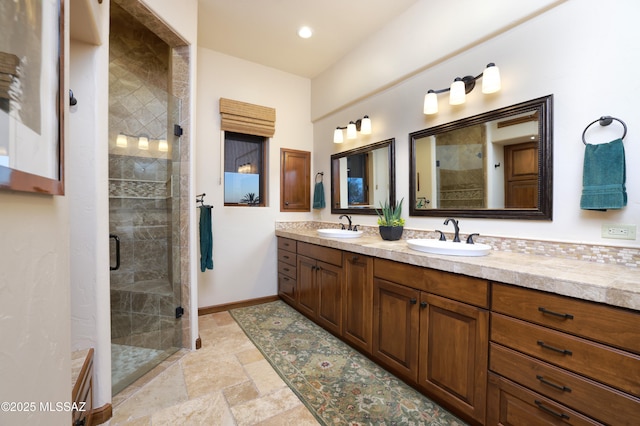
<point x="32" y="96"/>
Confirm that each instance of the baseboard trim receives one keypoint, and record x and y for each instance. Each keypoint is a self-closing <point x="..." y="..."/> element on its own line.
<point x="102" y="414"/>
<point x="242" y="304"/>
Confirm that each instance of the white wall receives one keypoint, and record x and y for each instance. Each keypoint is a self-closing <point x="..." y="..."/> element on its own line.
<point x="579" y="51"/>
<point x="244" y="244"/>
<point x="34" y="304"/>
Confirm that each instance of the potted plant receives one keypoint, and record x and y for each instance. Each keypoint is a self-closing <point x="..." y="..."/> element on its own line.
<point x="390" y="223"/>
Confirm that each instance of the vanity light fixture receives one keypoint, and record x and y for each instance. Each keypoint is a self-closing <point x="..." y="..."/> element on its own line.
<point x="362" y="125"/>
<point x="143" y="143"/>
<point x="163" y="146"/>
<point x="463" y="85"/>
<point x="121" y="141"/>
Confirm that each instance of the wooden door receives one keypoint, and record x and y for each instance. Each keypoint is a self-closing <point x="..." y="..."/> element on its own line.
<point x="454" y="353"/>
<point x="358" y="301"/>
<point x="395" y="327"/>
<point x="295" y="180"/>
<point x="307" y="287"/>
<point x="329" y="284"/>
<point x="521" y="175"/>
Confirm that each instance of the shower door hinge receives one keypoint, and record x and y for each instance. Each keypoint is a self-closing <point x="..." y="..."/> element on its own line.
<point x="177" y="130"/>
<point x="179" y="311"/>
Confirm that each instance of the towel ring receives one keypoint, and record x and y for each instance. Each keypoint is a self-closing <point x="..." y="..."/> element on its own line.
<point x="605" y="120"/>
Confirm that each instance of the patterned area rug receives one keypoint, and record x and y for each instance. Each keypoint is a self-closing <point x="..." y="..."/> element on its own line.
<point x="338" y="384"/>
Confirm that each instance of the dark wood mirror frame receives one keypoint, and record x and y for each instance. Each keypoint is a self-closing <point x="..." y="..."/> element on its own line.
<point x="390" y="145"/>
<point x="543" y="107"/>
<point x="18" y="180"/>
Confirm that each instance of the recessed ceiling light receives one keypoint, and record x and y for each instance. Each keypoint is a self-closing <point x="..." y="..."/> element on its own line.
<point x="305" y="32"/>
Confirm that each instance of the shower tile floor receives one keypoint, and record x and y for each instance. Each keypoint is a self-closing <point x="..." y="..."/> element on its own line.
<point x="128" y="363"/>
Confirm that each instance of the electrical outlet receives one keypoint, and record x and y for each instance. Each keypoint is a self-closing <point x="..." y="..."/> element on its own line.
<point x="619" y="231"/>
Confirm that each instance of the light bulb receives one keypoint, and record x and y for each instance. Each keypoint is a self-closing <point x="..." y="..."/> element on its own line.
<point x="163" y="146"/>
<point x="365" y="125"/>
<point x="431" y="102"/>
<point x="491" y="79"/>
<point x="121" y="141"/>
<point x="351" y="130"/>
<point x="143" y="142"/>
<point x="457" y="93"/>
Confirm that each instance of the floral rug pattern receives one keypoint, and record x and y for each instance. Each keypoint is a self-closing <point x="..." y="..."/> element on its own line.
<point x="338" y="384"/>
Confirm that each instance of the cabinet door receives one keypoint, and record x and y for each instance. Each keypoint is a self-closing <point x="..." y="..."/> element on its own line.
<point x="358" y="301"/>
<point x="307" y="289"/>
<point x="329" y="284"/>
<point x="454" y="353"/>
<point x="295" y="180"/>
<point x="395" y="327"/>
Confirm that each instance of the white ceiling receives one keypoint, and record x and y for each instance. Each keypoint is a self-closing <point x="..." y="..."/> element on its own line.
<point x="265" y="31"/>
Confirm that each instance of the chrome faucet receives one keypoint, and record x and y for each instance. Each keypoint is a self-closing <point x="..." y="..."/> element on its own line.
<point x="349" y="219"/>
<point x="456" y="237"/>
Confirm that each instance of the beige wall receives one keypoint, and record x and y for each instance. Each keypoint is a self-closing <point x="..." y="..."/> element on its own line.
<point x="244" y="245"/>
<point x="576" y="52"/>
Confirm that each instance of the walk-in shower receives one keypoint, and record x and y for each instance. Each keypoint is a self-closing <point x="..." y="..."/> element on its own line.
<point x="144" y="201"/>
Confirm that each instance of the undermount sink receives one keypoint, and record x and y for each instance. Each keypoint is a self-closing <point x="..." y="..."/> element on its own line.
<point x="449" y="247"/>
<point x="339" y="233"/>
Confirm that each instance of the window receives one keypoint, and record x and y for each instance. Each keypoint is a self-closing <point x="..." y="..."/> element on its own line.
<point x="244" y="169"/>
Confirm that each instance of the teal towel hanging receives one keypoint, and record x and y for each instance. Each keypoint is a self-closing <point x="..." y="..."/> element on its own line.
<point x="206" y="239"/>
<point x="318" y="193"/>
<point x="604" y="176"/>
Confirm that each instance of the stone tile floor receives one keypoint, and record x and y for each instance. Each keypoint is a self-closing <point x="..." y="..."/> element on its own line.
<point x="226" y="382"/>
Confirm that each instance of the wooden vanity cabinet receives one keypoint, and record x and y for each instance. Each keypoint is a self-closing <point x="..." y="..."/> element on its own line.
<point x="287" y="270"/>
<point x="431" y="328"/>
<point x="357" y="301"/>
<point x="320" y="285"/>
<point x="565" y="356"/>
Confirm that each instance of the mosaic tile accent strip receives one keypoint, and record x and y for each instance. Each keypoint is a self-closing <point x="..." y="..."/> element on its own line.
<point x="624" y="256"/>
<point x="149" y="190"/>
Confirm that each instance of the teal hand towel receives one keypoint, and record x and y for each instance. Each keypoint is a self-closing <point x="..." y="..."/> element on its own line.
<point x="206" y="239"/>
<point x="603" y="178"/>
<point x="318" y="196"/>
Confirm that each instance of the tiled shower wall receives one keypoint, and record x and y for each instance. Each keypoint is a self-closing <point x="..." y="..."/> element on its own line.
<point x="148" y="188"/>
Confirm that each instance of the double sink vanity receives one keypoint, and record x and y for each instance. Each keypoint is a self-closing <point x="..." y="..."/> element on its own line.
<point x="502" y="338"/>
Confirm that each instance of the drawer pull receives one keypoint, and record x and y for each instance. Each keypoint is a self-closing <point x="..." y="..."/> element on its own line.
<point x="354" y="259"/>
<point x="553" y="348"/>
<point x="413" y="301"/>
<point x="553" y="385"/>
<point x="423" y="304"/>
<point x="285" y="269"/>
<point x="286" y="257"/>
<point x="285" y="279"/>
<point x="550" y="411"/>
<point x="557" y="314"/>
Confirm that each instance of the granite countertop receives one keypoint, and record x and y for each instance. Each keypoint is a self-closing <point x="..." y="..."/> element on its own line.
<point x="605" y="283"/>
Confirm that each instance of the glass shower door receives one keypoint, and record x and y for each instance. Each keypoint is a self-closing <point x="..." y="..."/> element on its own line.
<point x="144" y="216"/>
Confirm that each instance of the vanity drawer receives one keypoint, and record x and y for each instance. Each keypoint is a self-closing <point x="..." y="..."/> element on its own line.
<point x="287" y="269"/>
<point x="287" y="244"/>
<point x="287" y="257"/>
<point x="513" y="405"/>
<point x="607" y="365"/>
<point x="606" y="324"/>
<point x="473" y="291"/>
<point x="323" y="254"/>
<point x="593" y="399"/>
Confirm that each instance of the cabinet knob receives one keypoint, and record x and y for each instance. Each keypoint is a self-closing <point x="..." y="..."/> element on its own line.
<point x="423" y="304"/>
<point x="354" y="259"/>
<point x="413" y="301"/>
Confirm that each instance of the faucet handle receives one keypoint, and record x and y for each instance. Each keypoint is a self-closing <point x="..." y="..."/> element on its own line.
<point x="442" y="237"/>
<point x="355" y="228"/>
<point x="470" y="238"/>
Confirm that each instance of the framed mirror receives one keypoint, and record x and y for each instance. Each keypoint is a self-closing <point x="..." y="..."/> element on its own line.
<point x="362" y="178"/>
<point x="32" y="96"/>
<point x="493" y="165"/>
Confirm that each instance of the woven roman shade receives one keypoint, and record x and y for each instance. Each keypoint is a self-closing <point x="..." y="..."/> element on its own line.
<point x="249" y="119"/>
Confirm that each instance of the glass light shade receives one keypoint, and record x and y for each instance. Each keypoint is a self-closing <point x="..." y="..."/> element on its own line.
<point x="457" y="93"/>
<point x="305" y="32"/>
<point x="121" y="141"/>
<point x="351" y="130"/>
<point x="143" y="142"/>
<point x="491" y="79"/>
<point x="365" y="125"/>
<point x="163" y="145"/>
<point x="430" y="102"/>
<point x="337" y="136"/>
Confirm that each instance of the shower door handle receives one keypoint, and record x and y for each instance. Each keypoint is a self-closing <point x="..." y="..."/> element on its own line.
<point x="117" y="239"/>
